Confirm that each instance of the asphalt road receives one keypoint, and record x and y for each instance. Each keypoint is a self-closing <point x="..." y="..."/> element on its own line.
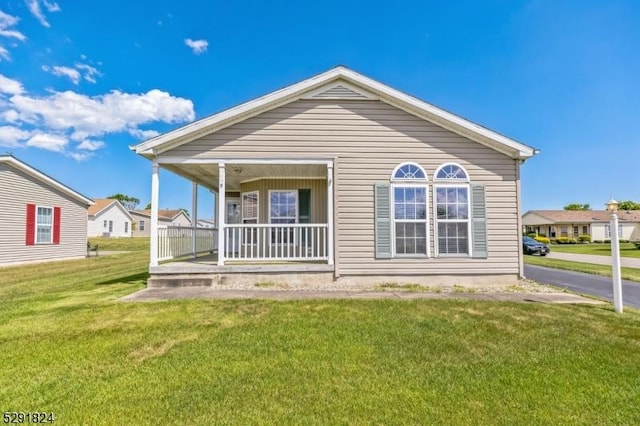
<point x="577" y="282"/>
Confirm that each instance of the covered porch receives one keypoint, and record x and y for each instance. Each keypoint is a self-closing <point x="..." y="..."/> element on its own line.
<point x="270" y="215"/>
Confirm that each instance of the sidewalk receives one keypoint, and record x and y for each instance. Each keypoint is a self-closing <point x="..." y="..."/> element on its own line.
<point x="174" y="293"/>
<point x="627" y="262"/>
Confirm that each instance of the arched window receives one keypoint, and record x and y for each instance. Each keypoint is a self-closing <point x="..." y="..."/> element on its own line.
<point x="451" y="171"/>
<point x="408" y="171"/>
<point x="451" y="198"/>
<point x="410" y="214"/>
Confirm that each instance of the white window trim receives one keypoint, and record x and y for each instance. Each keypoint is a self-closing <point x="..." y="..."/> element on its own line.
<point x="399" y="166"/>
<point x="453" y="184"/>
<point x="242" y="211"/>
<point x="450" y="180"/>
<point x="53" y="221"/>
<point x="295" y="191"/>
<point x="409" y="183"/>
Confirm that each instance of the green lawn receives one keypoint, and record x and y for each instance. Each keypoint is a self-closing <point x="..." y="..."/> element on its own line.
<point x="631" y="274"/>
<point x="68" y="346"/>
<point x="626" y="249"/>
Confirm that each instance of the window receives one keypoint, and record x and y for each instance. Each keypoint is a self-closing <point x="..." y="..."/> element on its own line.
<point x="250" y="207"/>
<point x="141" y="225"/>
<point x="126" y="227"/>
<point x="576" y="231"/>
<point x="409" y="203"/>
<point x="452" y="219"/>
<point x="283" y="207"/>
<point x="563" y="231"/>
<point x="607" y="231"/>
<point x="44" y="225"/>
<point x="110" y="226"/>
<point x="409" y="171"/>
<point x="585" y="229"/>
<point x="105" y="224"/>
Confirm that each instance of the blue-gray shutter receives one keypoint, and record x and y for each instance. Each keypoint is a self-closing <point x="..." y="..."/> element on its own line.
<point x="478" y="222"/>
<point x="382" y="221"/>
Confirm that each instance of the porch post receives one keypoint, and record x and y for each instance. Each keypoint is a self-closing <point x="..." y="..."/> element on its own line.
<point x="155" y="196"/>
<point x="220" y="217"/>
<point x="330" y="213"/>
<point x="194" y="217"/>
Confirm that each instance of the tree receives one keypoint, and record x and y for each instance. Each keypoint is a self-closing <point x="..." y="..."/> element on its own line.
<point x="628" y="205"/>
<point x="129" y="203"/>
<point x="148" y="206"/>
<point x="575" y="206"/>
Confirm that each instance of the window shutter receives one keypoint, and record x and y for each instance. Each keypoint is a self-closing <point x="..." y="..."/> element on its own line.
<point x="56" y="225"/>
<point x="382" y="221"/>
<point x="31" y="225"/>
<point x="304" y="206"/>
<point x="479" y="222"/>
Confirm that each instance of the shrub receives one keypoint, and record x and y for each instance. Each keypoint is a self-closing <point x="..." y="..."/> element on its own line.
<point x="584" y="238"/>
<point x="597" y="241"/>
<point x="542" y="239"/>
<point x="542" y="234"/>
<point x="532" y="235"/>
<point x="562" y="240"/>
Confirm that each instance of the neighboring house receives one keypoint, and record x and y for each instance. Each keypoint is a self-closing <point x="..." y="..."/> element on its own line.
<point x="40" y="218"/>
<point x="340" y="177"/>
<point x="109" y="218"/>
<point x="142" y="219"/>
<point x="574" y="223"/>
<point x="206" y="223"/>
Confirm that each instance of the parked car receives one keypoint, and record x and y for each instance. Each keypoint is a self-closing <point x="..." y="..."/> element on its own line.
<point x="531" y="246"/>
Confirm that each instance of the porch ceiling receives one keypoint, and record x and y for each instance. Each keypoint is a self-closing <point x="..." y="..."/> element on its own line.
<point x="207" y="174"/>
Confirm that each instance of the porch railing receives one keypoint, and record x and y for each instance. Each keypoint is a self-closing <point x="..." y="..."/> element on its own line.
<point x="177" y="241"/>
<point x="295" y="242"/>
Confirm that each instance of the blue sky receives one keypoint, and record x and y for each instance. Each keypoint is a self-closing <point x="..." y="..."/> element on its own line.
<point x="81" y="81"/>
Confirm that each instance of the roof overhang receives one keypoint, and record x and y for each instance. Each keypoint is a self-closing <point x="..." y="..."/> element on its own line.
<point x="372" y="90"/>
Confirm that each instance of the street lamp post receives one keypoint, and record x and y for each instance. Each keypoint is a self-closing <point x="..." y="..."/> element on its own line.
<point x="612" y="207"/>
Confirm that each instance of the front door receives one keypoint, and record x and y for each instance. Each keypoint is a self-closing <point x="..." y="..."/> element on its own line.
<point x="233" y="218"/>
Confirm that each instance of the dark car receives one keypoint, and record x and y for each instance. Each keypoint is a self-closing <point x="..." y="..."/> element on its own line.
<point x="531" y="246"/>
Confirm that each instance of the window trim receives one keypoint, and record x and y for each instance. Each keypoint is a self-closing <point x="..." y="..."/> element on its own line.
<point x="451" y="180"/>
<point x="408" y="183"/>
<point x="242" y="209"/>
<point x="452" y="184"/>
<point x="52" y="225"/>
<point x="399" y="166"/>
<point x="295" y="192"/>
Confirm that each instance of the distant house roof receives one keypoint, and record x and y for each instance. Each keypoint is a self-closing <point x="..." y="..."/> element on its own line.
<point x="373" y="89"/>
<point x="103" y="203"/>
<point x="585" y="216"/>
<point x="37" y="174"/>
<point x="162" y="214"/>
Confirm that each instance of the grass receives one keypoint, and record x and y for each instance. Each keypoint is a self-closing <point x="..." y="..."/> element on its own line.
<point x="68" y="346"/>
<point x="626" y="249"/>
<point x="631" y="274"/>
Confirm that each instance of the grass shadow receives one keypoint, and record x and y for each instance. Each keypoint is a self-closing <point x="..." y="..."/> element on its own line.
<point x="128" y="279"/>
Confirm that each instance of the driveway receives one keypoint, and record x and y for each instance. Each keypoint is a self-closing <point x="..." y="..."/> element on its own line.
<point x="594" y="285"/>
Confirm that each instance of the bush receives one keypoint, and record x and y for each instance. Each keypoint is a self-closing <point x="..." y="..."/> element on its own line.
<point x="597" y="241"/>
<point x="566" y="240"/>
<point x="542" y="239"/>
<point x="532" y="235"/>
<point x="585" y="238"/>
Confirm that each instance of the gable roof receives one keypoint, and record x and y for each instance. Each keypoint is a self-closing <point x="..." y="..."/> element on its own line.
<point x="337" y="82"/>
<point x="585" y="216"/>
<point x="162" y="214"/>
<point x="48" y="180"/>
<point x="102" y="204"/>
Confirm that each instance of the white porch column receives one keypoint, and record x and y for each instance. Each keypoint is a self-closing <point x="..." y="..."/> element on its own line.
<point x="155" y="197"/>
<point x="194" y="217"/>
<point x="330" y="213"/>
<point x="220" y="217"/>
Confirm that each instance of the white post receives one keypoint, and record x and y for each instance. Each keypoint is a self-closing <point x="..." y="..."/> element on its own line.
<point x="155" y="196"/>
<point x="615" y="263"/>
<point x="330" y="213"/>
<point x="220" y="217"/>
<point x="194" y="217"/>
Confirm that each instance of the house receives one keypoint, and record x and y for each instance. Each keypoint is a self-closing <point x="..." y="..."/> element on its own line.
<point x="166" y="218"/>
<point x="342" y="178"/>
<point x="206" y="223"/>
<point x="109" y="218"/>
<point x="41" y="219"/>
<point x="592" y="224"/>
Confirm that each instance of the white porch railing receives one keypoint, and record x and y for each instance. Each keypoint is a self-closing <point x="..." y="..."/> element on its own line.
<point x="177" y="241"/>
<point x="300" y="241"/>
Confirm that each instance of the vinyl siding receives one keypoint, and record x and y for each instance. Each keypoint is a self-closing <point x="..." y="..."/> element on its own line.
<point x="19" y="189"/>
<point x="371" y="138"/>
<point x="111" y="213"/>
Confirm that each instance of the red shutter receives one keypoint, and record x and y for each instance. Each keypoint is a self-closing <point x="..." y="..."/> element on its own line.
<point x="31" y="225"/>
<point x="56" y="225"/>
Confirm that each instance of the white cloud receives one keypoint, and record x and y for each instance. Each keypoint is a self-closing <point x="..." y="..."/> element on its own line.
<point x="90" y="145"/>
<point x="4" y="54"/>
<point x="143" y="134"/>
<point x="197" y="46"/>
<point x="89" y="72"/>
<point x="10" y="116"/>
<point x="36" y="10"/>
<point x="9" y="86"/>
<point x="71" y="73"/>
<point x="12" y="136"/>
<point x="48" y="141"/>
<point x="80" y="156"/>
<point x="6" y="22"/>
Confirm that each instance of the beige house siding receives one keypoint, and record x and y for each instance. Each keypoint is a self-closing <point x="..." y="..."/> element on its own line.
<point x="19" y="189"/>
<point x="371" y="138"/>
